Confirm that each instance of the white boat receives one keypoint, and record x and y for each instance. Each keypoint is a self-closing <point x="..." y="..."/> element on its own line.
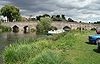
<point x="56" y="31"/>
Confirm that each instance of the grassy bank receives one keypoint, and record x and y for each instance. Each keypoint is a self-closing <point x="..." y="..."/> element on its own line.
<point x="68" y="48"/>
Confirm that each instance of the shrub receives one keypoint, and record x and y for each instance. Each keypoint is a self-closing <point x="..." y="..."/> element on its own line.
<point x="42" y="51"/>
<point x="79" y="28"/>
<point x="5" y="28"/>
<point x="33" y="30"/>
<point x="44" y="25"/>
<point x="93" y="28"/>
<point x="48" y="57"/>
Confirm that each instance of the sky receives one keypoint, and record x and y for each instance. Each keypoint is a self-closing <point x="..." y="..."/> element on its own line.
<point x="79" y="10"/>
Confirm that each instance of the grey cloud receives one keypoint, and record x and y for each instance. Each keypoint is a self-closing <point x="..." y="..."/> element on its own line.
<point x="77" y="9"/>
<point x="2" y="2"/>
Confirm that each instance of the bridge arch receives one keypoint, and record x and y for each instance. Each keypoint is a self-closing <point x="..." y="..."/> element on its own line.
<point x="26" y="29"/>
<point x="15" y="29"/>
<point x="66" y="28"/>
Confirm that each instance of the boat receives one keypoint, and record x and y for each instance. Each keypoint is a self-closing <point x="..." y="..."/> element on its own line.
<point x="56" y="31"/>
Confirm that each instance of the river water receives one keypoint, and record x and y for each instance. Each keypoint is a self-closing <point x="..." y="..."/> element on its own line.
<point x="9" y="38"/>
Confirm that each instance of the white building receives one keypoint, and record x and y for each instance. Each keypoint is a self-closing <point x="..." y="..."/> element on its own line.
<point x="3" y="19"/>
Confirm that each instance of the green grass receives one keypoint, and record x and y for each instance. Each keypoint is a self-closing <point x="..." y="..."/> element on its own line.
<point x="67" y="48"/>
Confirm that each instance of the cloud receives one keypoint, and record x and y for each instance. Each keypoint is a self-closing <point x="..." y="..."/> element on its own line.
<point x="2" y="3"/>
<point x="84" y="10"/>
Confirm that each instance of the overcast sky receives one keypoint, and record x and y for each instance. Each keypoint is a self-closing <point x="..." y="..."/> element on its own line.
<point x="82" y="10"/>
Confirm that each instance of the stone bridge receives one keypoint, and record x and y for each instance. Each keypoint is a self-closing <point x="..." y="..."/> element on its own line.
<point x="59" y="25"/>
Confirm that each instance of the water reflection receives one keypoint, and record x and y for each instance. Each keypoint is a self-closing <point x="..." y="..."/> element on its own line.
<point x="9" y="38"/>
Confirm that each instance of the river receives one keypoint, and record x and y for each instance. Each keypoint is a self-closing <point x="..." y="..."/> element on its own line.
<point x="10" y="37"/>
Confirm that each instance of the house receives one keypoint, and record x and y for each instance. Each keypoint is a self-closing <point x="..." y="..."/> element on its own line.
<point x="3" y="19"/>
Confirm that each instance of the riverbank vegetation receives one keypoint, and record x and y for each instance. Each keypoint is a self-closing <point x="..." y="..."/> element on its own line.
<point x="43" y="26"/>
<point x="5" y="29"/>
<point x="67" y="48"/>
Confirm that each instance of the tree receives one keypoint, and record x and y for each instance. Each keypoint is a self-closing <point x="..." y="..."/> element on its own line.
<point x="11" y="12"/>
<point x="41" y="16"/>
<point x="58" y="16"/>
<point x="54" y="18"/>
<point x="98" y="22"/>
<point x="43" y="26"/>
<point x="46" y="15"/>
<point x="70" y="20"/>
<point x="38" y="17"/>
<point x="63" y="17"/>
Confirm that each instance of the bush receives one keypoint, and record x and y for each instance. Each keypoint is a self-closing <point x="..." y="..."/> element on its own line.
<point x="93" y="28"/>
<point x="48" y="57"/>
<point x="5" y="28"/>
<point x="79" y="28"/>
<point x="33" y="30"/>
<point x="38" y="52"/>
<point x="44" y="25"/>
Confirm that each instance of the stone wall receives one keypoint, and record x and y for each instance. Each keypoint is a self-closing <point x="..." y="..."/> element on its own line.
<point x="59" y="25"/>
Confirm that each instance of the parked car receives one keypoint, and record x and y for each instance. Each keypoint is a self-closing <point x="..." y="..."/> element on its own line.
<point x="98" y="30"/>
<point x="95" y="38"/>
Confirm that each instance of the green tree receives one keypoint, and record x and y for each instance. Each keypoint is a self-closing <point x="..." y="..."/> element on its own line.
<point x="44" y="25"/>
<point x="38" y="17"/>
<point x="46" y="15"/>
<point x="56" y="18"/>
<point x="70" y="20"/>
<point x="63" y="17"/>
<point x="12" y="12"/>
